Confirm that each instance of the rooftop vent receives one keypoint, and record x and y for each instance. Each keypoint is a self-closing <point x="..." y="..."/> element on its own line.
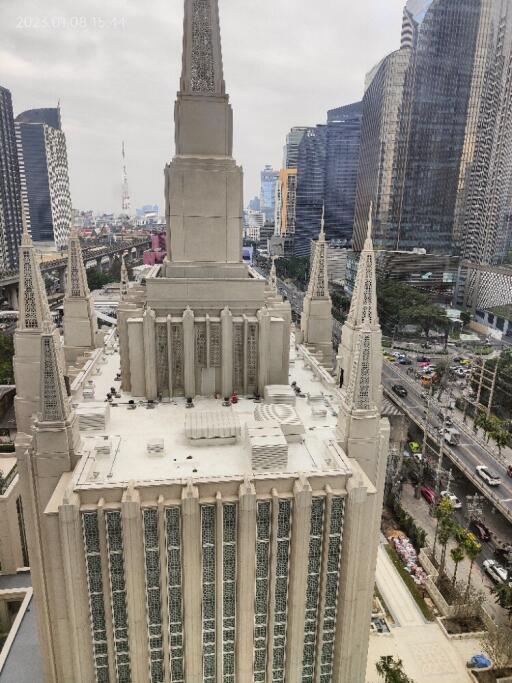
<point x="203" y="427"/>
<point x="93" y="417"/>
<point x="269" y="449"/>
<point x="285" y="416"/>
<point x="155" y="448"/>
<point x="280" y="393"/>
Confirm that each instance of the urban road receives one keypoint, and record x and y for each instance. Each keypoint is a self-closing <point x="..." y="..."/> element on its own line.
<point x="467" y="455"/>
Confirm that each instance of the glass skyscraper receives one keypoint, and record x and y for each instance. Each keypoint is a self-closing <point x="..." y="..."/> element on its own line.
<point x="10" y="189"/>
<point x="269" y="179"/>
<point x="44" y="175"/>
<point x="342" y="145"/>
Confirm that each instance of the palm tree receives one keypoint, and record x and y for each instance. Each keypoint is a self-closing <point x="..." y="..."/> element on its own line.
<point x="445" y="533"/>
<point x="392" y="670"/>
<point x="502" y="439"/>
<point x="503" y="594"/>
<point x="442" y="511"/>
<point x="458" y="554"/>
<point x="473" y="550"/>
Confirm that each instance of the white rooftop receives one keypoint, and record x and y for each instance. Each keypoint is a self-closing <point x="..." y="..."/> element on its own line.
<point x="119" y="453"/>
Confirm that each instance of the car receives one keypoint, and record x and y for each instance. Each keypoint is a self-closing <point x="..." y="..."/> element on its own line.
<point x="496" y="571"/>
<point x="423" y="359"/>
<point x="487" y="475"/>
<point x="399" y="390"/>
<point x="480" y="530"/>
<point x="509" y="471"/>
<point x="405" y="361"/>
<point x="456" y="504"/>
<point x="429" y="495"/>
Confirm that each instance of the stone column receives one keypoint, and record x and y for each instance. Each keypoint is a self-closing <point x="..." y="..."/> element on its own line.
<point x="133" y="549"/>
<point x="246" y="545"/>
<point x="149" y="323"/>
<point x="298" y="579"/>
<point x="136" y="346"/>
<point x="76" y="590"/>
<point x="189" y="353"/>
<point x="263" y="349"/>
<point x="191" y="540"/>
<point x="162" y="543"/>
<point x="226" y="319"/>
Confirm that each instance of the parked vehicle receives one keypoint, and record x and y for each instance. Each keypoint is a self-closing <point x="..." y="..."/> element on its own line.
<point x="480" y="530"/>
<point x="502" y="550"/>
<point x="405" y="361"/>
<point x="399" y="390"/>
<point x="509" y="471"/>
<point x="456" y="504"/>
<point x="495" y="570"/>
<point x="429" y="495"/>
<point x="423" y="359"/>
<point x="452" y="436"/>
<point x="487" y="475"/>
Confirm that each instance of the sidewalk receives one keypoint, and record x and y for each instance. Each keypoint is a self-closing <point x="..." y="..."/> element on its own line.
<point x="428" y="656"/>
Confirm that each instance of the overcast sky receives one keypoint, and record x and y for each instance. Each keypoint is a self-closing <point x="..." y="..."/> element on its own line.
<point x="115" y="68"/>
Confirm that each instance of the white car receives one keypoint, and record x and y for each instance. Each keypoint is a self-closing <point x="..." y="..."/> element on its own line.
<point x="456" y="504"/>
<point x="489" y="477"/>
<point x="497" y="573"/>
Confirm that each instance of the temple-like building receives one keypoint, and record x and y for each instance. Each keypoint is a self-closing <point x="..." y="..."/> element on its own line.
<point x="202" y="497"/>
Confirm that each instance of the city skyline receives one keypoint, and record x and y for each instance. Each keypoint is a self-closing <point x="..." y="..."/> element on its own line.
<point x="120" y="87"/>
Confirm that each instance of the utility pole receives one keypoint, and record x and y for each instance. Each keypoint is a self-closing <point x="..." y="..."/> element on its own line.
<point x="441" y="454"/>
<point x="417" y="493"/>
<point x="493" y="387"/>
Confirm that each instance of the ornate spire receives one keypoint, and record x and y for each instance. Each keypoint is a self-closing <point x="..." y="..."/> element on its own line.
<point x="202" y="72"/>
<point x="363" y="308"/>
<point x="318" y="287"/>
<point x="76" y="277"/>
<point x="34" y="307"/>
<point x="54" y="402"/>
<point x="124" y="278"/>
<point x="272" y="278"/>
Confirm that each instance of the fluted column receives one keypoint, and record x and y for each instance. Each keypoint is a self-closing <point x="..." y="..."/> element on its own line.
<point x="246" y="545"/>
<point x="189" y="353"/>
<point x="298" y="579"/>
<point x="149" y="332"/>
<point x="191" y="516"/>
<point x="264" y="349"/>
<point x="226" y="319"/>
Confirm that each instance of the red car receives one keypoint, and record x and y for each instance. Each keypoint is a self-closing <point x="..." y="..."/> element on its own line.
<point x="480" y="530"/>
<point x="509" y="471"/>
<point x="429" y="494"/>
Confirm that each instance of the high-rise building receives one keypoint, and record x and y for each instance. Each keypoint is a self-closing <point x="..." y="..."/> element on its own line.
<point x="291" y="148"/>
<point x="482" y="227"/>
<point x="434" y="106"/>
<point x="286" y="204"/>
<point x="43" y="163"/>
<point x="202" y="538"/>
<point x="310" y="189"/>
<point x="342" y="143"/>
<point x="269" y="179"/>
<point x="383" y="149"/>
<point x="10" y="188"/>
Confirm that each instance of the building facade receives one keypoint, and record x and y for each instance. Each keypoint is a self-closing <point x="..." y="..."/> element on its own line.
<point x="291" y="147"/>
<point x="43" y="163"/>
<point x="310" y="188"/>
<point x="10" y="187"/>
<point x="342" y="145"/>
<point x="269" y="179"/>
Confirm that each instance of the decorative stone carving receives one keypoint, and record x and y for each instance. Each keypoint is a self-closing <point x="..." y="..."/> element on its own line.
<point x="54" y="401"/>
<point x="202" y="71"/>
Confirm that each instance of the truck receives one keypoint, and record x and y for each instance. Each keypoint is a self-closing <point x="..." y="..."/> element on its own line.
<point x="452" y="436"/>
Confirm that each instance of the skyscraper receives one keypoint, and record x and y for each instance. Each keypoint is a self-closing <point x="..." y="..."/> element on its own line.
<point x="310" y="188"/>
<point x="43" y="163"/>
<point x="211" y="537"/>
<point x="291" y="147"/>
<point x="342" y="143"/>
<point x="383" y="149"/>
<point x="269" y="179"/>
<point x="10" y="187"/>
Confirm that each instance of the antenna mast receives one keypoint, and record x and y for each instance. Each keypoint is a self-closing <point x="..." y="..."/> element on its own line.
<point x="125" y="202"/>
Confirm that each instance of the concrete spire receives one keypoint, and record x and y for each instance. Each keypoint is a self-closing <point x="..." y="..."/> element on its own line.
<point x="76" y="285"/>
<point x="124" y="278"/>
<point x="272" y="278"/>
<point x="32" y="295"/>
<point x="316" y="321"/>
<point x="202" y="72"/>
<point x="54" y="402"/>
<point x="363" y="308"/>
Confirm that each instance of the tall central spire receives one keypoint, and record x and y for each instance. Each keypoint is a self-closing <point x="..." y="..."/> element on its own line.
<point x="202" y="56"/>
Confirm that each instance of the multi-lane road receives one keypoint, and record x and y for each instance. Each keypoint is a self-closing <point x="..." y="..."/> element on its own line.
<point x="467" y="455"/>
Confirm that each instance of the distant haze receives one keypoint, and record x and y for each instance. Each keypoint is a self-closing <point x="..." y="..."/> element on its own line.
<point x="115" y="68"/>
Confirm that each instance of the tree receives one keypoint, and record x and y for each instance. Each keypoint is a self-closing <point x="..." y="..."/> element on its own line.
<point x="6" y="356"/>
<point x="473" y="550"/>
<point x="497" y="643"/>
<point x="503" y="595"/>
<point x="465" y="317"/>
<point x="392" y="670"/>
<point x="446" y="529"/>
<point x="442" y="512"/>
<point x="502" y="439"/>
<point x="458" y="554"/>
